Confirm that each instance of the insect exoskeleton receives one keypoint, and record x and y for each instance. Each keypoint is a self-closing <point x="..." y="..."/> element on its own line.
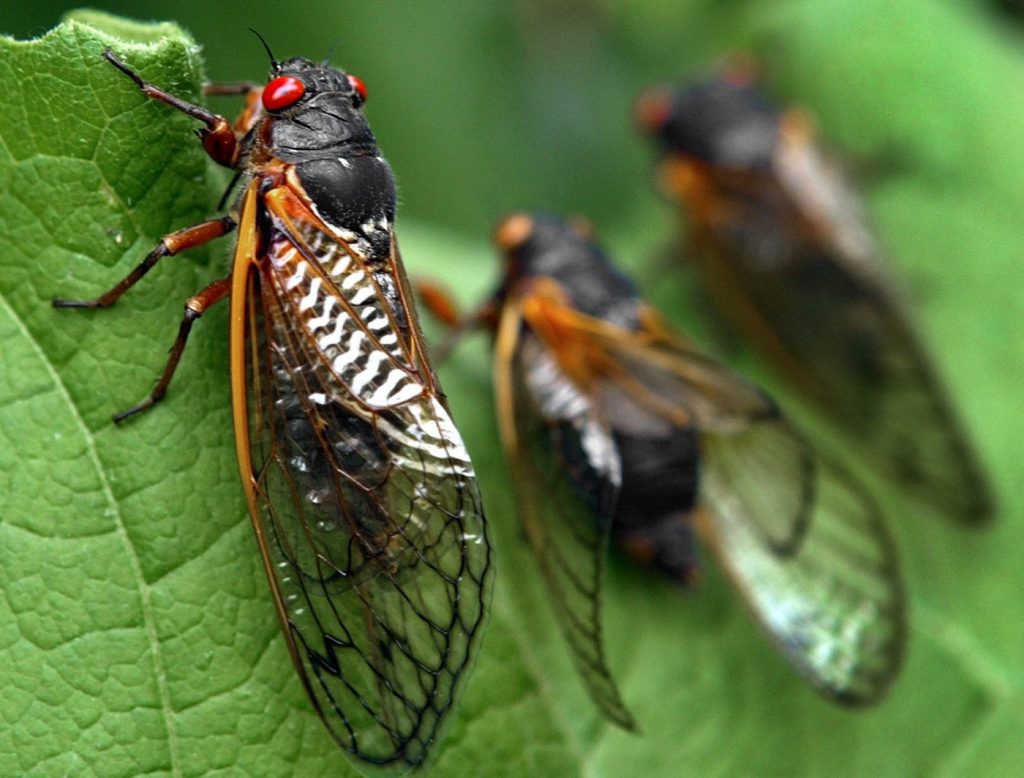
<point x="617" y="429"/>
<point x="785" y="254"/>
<point x="360" y="489"/>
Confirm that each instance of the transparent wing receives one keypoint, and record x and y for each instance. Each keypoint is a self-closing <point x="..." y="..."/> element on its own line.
<point x="365" y="499"/>
<point x="766" y="467"/>
<point x="804" y="543"/>
<point x="567" y="473"/>
<point x="834" y="604"/>
<point x="792" y="265"/>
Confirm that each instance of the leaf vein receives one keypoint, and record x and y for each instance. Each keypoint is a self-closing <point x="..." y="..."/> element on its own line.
<point x="121" y="530"/>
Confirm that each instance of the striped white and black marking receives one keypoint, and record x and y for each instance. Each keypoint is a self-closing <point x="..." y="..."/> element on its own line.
<point x="432" y="435"/>
<point x="366" y="355"/>
<point x="558" y="398"/>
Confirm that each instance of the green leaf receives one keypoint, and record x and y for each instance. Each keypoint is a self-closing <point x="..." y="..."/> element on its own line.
<point x="138" y="635"/>
<point x="126" y="566"/>
<point x="136" y="631"/>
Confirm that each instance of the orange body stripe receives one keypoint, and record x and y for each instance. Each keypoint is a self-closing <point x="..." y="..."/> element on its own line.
<point x="245" y="262"/>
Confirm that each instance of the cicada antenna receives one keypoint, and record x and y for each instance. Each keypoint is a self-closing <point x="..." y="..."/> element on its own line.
<point x="330" y="51"/>
<point x="266" y="46"/>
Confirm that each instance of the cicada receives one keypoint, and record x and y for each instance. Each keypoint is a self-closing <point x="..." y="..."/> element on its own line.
<point x="360" y="489"/>
<point x="783" y="249"/>
<point x="617" y="430"/>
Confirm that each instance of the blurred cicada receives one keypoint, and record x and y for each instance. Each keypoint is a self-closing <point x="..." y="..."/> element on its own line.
<point x="616" y="428"/>
<point x="783" y="250"/>
<point x="359" y="487"/>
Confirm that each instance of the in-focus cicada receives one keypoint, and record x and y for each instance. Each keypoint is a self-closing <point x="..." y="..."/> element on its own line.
<point x="786" y="257"/>
<point x="360" y="489"/>
<point x="617" y="429"/>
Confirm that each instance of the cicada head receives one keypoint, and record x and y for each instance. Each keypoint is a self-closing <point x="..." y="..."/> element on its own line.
<point x="724" y="122"/>
<point x="543" y="246"/>
<point x="312" y="108"/>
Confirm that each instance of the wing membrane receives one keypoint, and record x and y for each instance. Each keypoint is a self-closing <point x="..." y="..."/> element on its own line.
<point x="835" y="605"/>
<point x="796" y="269"/>
<point x="759" y="458"/>
<point x="568" y="473"/>
<point x="804" y="543"/>
<point x="365" y="498"/>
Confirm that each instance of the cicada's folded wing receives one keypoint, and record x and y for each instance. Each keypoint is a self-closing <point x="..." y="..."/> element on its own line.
<point x="363" y="496"/>
<point x="804" y="543"/>
<point x="567" y="475"/>
<point x="858" y="356"/>
<point x="834" y="605"/>
<point x="797" y="270"/>
<point x="666" y="376"/>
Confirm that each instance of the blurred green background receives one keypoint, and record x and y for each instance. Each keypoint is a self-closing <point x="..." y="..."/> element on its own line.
<point x="486" y="106"/>
<point x="479" y="106"/>
<point x="482" y="107"/>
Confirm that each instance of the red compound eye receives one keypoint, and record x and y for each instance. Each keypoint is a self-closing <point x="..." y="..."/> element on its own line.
<point x="359" y="86"/>
<point x="282" y="92"/>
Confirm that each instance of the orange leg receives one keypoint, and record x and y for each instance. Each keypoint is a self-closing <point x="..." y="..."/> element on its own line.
<point x="232" y="89"/>
<point x="176" y="242"/>
<point x="440" y="304"/>
<point x="250" y="114"/>
<point x="218" y="138"/>
<point x="194" y="308"/>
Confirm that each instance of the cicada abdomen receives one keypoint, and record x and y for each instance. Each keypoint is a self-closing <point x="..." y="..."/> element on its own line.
<point x="784" y="252"/>
<point x="617" y="430"/>
<point x="360" y="490"/>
